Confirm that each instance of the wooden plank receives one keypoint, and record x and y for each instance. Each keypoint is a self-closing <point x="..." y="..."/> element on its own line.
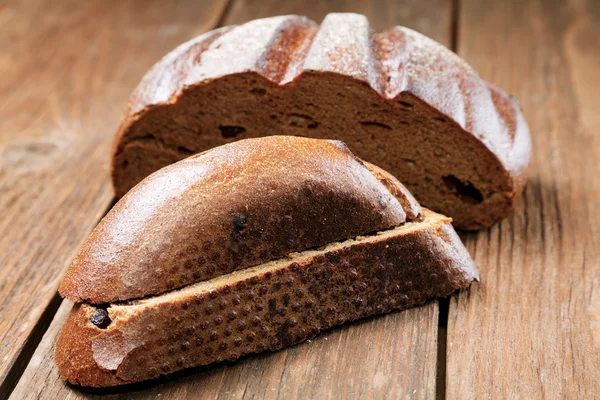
<point x="390" y="366"/>
<point x="391" y="356"/>
<point x="432" y="17"/>
<point x="67" y="70"/>
<point x="531" y="329"/>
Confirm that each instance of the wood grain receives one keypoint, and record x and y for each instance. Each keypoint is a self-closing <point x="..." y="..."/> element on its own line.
<point x="431" y="17"/>
<point x="531" y="329"/>
<point x="67" y="70"/>
<point x="392" y="356"/>
<point x="325" y="367"/>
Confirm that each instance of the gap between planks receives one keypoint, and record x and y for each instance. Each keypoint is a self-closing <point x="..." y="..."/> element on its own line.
<point x="226" y="10"/>
<point x="37" y="333"/>
<point x="454" y="23"/>
<point x="440" y="381"/>
<point x="29" y="347"/>
<point x="444" y="304"/>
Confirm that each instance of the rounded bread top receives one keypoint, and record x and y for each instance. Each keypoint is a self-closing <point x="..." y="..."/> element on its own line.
<point x="231" y="208"/>
<point x="392" y="63"/>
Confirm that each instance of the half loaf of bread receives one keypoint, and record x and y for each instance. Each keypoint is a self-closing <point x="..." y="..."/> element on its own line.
<point x="302" y="236"/>
<point x="397" y="98"/>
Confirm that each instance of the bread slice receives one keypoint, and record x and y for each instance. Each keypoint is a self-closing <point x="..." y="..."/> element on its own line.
<point x="266" y="307"/>
<point x="251" y="246"/>
<point x="230" y="208"/>
<point x="397" y="98"/>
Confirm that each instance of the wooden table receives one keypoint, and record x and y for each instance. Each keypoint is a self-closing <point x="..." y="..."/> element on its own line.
<point x="530" y="329"/>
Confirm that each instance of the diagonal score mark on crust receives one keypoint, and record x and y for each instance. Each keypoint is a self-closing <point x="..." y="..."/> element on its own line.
<point x="160" y="87"/>
<point x="344" y="45"/>
<point x="409" y="204"/>
<point x="283" y="59"/>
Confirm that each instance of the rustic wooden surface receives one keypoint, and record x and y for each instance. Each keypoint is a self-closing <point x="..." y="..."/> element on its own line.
<point x="531" y="329"/>
<point x="397" y="356"/>
<point x="431" y="17"/>
<point x="66" y="71"/>
<point x="398" y="352"/>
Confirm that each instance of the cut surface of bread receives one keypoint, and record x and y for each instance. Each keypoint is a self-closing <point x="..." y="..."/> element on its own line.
<point x="230" y="208"/>
<point x="397" y="98"/>
<point x="266" y="307"/>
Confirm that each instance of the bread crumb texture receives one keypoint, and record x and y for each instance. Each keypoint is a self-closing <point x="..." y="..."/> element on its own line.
<point x="397" y="98"/>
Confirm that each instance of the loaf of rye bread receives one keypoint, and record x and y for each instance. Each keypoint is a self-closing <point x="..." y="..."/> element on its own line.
<point x="252" y="246"/>
<point x="397" y="98"/>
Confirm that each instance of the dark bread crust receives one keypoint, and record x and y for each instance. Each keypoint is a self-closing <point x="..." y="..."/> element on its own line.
<point x="73" y="354"/>
<point x="399" y="99"/>
<point x="268" y="307"/>
<point x="409" y="204"/>
<point x="230" y="208"/>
